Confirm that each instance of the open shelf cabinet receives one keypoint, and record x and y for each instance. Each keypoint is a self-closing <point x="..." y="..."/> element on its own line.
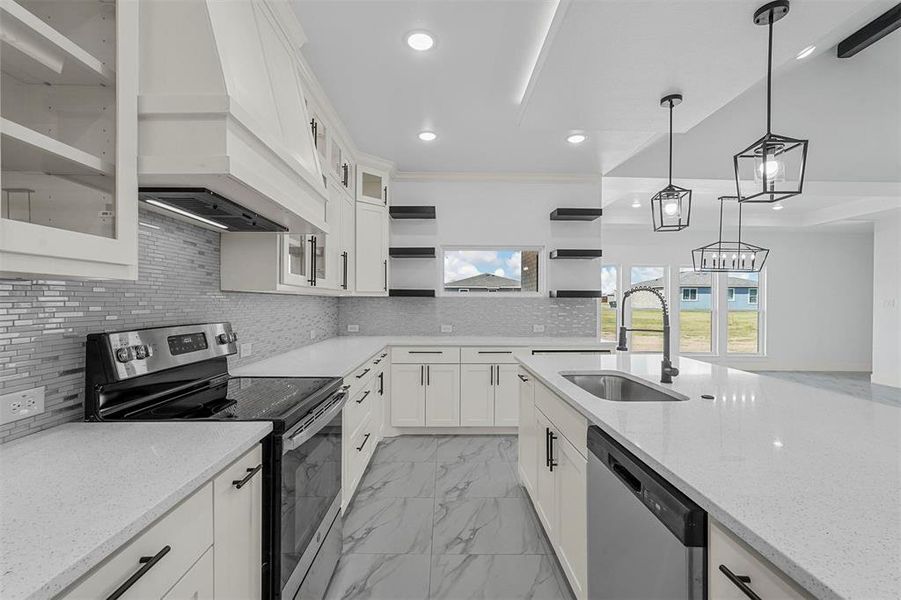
<point x="412" y="212"/>
<point x="411" y="252"/>
<point x="576" y="293"/>
<point x="411" y="293"/>
<point x="576" y="214"/>
<point x="575" y="253"/>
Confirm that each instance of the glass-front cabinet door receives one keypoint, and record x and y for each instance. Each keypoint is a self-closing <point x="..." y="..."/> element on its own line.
<point x="68" y="176"/>
<point x="296" y="261"/>
<point x="372" y="185"/>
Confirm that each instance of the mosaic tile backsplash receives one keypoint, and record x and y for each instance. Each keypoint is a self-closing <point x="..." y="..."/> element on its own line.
<point x="469" y="316"/>
<point x="43" y="323"/>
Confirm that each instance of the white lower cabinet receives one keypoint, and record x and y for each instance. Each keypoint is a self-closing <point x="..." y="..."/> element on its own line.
<point x="728" y="556"/>
<point x="506" y="396"/>
<point x="425" y="395"/>
<point x="209" y="546"/>
<point x="238" y="527"/>
<point x="528" y="432"/>
<point x="554" y="473"/>
<point x="197" y="584"/>
<point x="489" y="388"/>
<point x="477" y="395"/>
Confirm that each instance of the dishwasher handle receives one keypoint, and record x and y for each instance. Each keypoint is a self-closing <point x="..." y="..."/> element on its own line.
<point x="624" y="475"/>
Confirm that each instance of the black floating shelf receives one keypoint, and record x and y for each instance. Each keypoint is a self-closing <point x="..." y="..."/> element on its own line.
<point x="576" y="214"/>
<point x="411" y="252"/>
<point x="412" y="212"/>
<point x="576" y="253"/>
<point x="410" y="293"/>
<point x="576" y="294"/>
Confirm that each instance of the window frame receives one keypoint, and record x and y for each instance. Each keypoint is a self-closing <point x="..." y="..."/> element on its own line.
<point x="676" y="319"/>
<point x="761" y="323"/>
<point x="756" y="296"/>
<point x="617" y="311"/>
<point x="730" y="292"/>
<point x="688" y="289"/>
<point x="542" y="270"/>
<point x="666" y="288"/>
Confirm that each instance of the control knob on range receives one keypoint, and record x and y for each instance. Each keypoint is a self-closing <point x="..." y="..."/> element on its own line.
<point x="225" y="338"/>
<point x="142" y="352"/>
<point x="124" y="355"/>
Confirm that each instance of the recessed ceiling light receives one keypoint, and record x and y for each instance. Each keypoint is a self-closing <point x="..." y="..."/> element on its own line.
<point x="778" y="443"/>
<point x="805" y="52"/>
<point x="576" y="138"/>
<point x="636" y="204"/>
<point x="778" y="206"/>
<point x="428" y="136"/>
<point x="420" y="41"/>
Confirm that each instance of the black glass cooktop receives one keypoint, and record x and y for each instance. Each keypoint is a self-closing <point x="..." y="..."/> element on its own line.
<point x="283" y="400"/>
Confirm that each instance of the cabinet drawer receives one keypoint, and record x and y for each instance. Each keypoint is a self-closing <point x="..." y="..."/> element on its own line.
<point x="197" y="584"/>
<point x="565" y="419"/>
<point x="426" y="355"/>
<point x="380" y="360"/>
<point x="359" y="406"/>
<point x="765" y="580"/>
<point x="492" y="356"/>
<point x="358" y="450"/>
<point x="361" y="376"/>
<point x="187" y="530"/>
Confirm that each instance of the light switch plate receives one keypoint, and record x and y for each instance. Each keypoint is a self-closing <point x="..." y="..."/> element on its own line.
<point x="19" y="405"/>
<point x="537" y="328"/>
<point x="353" y="329"/>
<point x="447" y="329"/>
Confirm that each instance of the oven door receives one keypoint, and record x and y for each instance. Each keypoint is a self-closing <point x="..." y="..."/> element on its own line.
<point x="310" y="499"/>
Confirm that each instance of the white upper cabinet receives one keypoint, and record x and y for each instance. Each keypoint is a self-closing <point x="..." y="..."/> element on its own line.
<point x="68" y="123"/>
<point x="373" y="181"/>
<point x="222" y="106"/>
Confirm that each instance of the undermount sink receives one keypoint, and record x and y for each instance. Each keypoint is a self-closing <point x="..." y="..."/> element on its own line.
<point x="619" y="388"/>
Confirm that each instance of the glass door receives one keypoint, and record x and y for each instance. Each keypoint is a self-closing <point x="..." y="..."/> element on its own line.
<point x="295" y="256"/>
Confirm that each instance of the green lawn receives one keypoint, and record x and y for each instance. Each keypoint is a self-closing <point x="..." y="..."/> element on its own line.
<point x="695" y="330"/>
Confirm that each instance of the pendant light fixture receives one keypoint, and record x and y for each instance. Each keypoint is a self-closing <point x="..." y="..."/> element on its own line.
<point x="772" y="168"/>
<point x="733" y="256"/>
<point x="671" y="206"/>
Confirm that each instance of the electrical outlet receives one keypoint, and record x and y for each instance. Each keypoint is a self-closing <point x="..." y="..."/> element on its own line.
<point x="19" y="405"/>
<point x="447" y="329"/>
<point x="245" y="350"/>
<point x="537" y="328"/>
<point x="353" y="329"/>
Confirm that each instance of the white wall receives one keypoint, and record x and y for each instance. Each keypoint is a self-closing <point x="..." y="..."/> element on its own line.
<point x="818" y="290"/>
<point x="496" y="213"/>
<point x="887" y="300"/>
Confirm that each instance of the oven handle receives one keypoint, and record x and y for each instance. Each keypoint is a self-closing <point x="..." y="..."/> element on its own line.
<point x="295" y="441"/>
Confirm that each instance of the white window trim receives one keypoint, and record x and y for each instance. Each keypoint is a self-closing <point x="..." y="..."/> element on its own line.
<point x="761" y="324"/>
<point x="618" y="298"/>
<point x="688" y="289"/>
<point x="542" y="272"/>
<point x="676" y="320"/>
<point x="756" y="296"/>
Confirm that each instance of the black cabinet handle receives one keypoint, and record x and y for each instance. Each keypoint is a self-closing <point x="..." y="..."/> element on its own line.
<point x="312" y="278"/>
<point x="386" y="275"/>
<point x="383" y="355"/>
<point x="386" y="194"/>
<point x="363" y="397"/>
<point x="346" y="168"/>
<point x="365" y="439"/>
<point x="547" y="447"/>
<point x="522" y="378"/>
<point x="344" y="256"/>
<point x="421" y="374"/>
<point x="741" y="582"/>
<point x="239" y="483"/>
<point x="495" y="352"/>
<point x="314" y="127"/>
<point x="551" y="463"/>
<point x="147" y="562"/>
<point x="428" y="375"/>
<point x="363" y="374"/>
<point x="382" y="383"/>
<point x="491" y="379"/>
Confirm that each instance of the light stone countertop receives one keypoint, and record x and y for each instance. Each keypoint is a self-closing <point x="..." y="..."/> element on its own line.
<point x="338" y="356"/>
<point x="809" y="478"/>
<point x="76" y="493"/>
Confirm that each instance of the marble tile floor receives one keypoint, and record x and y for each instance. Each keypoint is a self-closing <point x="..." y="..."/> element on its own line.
<point x="445" y="517"/>
<point x="851" y="383"/>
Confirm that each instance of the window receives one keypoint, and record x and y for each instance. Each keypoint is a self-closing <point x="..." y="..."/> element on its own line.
<point x="695" y="311"/>
<point x="474" y="271"/>
<point x="645" y="309"/>
<point x="609" y="303"/>
<point x="743" y="326"/>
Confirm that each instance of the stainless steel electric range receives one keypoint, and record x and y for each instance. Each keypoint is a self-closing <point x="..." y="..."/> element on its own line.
<point x="181" y="373"/>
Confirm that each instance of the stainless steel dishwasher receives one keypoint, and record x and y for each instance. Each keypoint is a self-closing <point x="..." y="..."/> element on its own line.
<point x="646" y="539"/>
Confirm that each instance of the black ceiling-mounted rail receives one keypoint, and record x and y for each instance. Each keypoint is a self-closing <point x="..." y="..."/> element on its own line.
<point x="412" y="212"/>
<point x="870" y="33"/>
<point x="576" y="214"/>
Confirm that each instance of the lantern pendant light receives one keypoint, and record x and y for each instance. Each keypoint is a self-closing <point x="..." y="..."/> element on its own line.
<point x="772" y="168"/>
<point x="671" y="206"/>
<point x="729" y="256"/>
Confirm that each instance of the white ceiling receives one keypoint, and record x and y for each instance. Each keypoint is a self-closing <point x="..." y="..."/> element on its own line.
<point x="601" y="67"/>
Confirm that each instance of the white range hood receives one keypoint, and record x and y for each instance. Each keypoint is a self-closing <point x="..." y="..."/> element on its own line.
<point x="222" y="107"/>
